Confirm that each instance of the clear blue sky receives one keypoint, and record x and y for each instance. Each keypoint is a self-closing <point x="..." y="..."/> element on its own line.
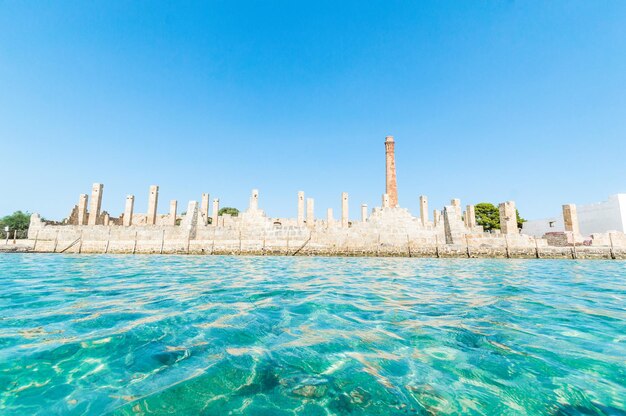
<point x="487" y="100"/>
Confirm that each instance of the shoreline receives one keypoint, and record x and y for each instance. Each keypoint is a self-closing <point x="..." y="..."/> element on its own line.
<point x="408" y="251"/>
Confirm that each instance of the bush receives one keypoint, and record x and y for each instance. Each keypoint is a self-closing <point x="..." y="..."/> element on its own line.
<point x="229" y="210"/>
<point x="17" y="221"/>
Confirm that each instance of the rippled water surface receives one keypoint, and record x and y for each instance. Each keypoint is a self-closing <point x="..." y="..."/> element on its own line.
<point x="189" y="335"/>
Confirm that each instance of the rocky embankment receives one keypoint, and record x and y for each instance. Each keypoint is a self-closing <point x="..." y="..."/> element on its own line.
<point x="20" y="246"/>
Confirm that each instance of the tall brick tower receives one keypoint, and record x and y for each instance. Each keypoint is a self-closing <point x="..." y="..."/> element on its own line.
<point x="390" y="159"/>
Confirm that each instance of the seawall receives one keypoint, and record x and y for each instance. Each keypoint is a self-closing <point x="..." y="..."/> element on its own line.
<point x="305" y="248"/>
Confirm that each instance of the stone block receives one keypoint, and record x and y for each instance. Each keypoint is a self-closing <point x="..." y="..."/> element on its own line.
<point x="96" y="203"/>
<point x="128" y="210"/>
<point x="344" y="210"/>
<point x="204" y="208"/>
<point x="153" y="201"/>
<point x="570" y="218"/>
<point x="508" y="218"/>
<point x="470" y="215"/>
<point x="300" y="218"/>
<point x="216" y="211"/>
<point x="82" y="210"/>
<point x="310" y="212"/>
<point x="424" y="210"/>
<point x="173" y="208"/>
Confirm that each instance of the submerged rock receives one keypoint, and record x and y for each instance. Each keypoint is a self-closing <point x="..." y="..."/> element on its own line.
<point x="171" y="357"/>
<point x="266" y="380"/>
<point x="360" y="396"/>
<point x="311" y="391"/>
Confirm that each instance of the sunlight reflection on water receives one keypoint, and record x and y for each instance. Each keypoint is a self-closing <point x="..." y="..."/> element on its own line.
<point x="284" y="335"/>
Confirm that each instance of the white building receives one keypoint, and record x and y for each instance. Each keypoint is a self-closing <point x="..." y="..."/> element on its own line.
<point x="538" y="228"/>
<point x="600" y="217"/>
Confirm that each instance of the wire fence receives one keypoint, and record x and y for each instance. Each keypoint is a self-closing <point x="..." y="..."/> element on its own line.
<point x="19" y="234"/>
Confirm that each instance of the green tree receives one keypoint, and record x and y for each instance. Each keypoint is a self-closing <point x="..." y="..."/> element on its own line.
<point x="229" y="210"/>
<point x="488" y="215"/>
<point x="17" y="221"/>
<point x="520" y="220"/>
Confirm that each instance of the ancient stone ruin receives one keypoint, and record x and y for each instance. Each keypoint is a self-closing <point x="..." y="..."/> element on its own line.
<point x="388" y="230"/>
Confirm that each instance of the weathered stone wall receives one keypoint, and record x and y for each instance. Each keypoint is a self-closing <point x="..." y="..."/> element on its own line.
<point x="387" y="232"/>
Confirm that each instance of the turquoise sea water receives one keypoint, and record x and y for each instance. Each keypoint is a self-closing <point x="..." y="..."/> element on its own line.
<point x="186" y="335"/>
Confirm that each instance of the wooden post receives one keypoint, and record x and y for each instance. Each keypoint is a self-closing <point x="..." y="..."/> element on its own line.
<point x="467" y="246"/>
<point x="263" y="249"/>
<point x="56" y="240"/>
<point x="408" y="244"/>
<point x="213" y="241"/>
<point x="106" y="249"/>
<point x="537" y="249"/>
<point x="36" y="238"/>
<point x="80" y="245"/>
<point x="135" y="243"/>
<point x="437" y="245"/>
<point x="506" y="240"/>
<point x="612" y="251"/>
<point x="162" y="240"/>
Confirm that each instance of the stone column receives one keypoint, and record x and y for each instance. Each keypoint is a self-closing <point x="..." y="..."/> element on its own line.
<point x="153" y="201"/>
<point x="173" y="209"/>
<point x="216" y="211"/>
<point x="310" y="212"/>
<point x="96" y="203"/>
<point x="570" y="218"/>
<point x="390" y="158"/>
<point x="424" y="209"/>
<point x="128" y="210"/>
<point x="456" y="203"/>
<point x="204" y="208"/>
<point x="363" y="212"/>
<point x="386" y="201"/>
<point x="453" y="226"/>
<point x="300" y="209"/>
<point x="436" y="217"/>
<point x="190" y="219"/>
<point x="470" y="215"/>
<point x="508" y="218"/>
<point x="254" y="200"/>
<point x="330" y="220"/>
<point x="106" y="218"/>
<point x="82" y="209"/>
<point x="344" y="210"/>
